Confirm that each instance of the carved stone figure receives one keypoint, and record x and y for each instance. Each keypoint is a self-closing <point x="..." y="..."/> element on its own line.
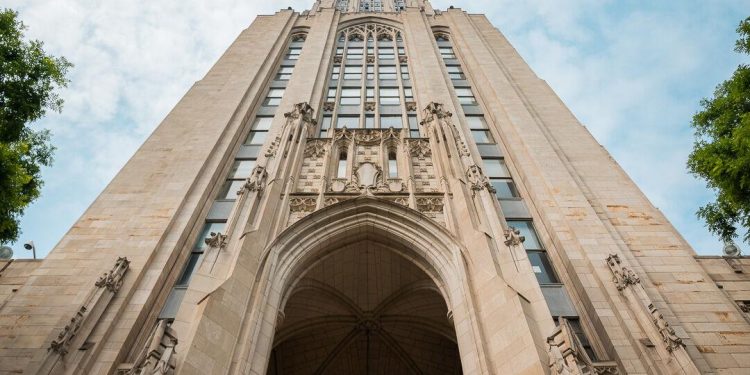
<point x="513" y="237"/>
<point x="430" y="204"/>
<point x="478" y="180"/>
<point x="62" y="342"/>
<point x="257" y="179"/>
<point x="273" y="147"/>
<point x="112" y="280"/>
<point x="216" y="240"/>
<point x="302" y="111"/>
<point x="157" y="356"/>
<point x="316" y="148"/>
<point x="622" y="276"/>
<point x="419" y="148"/>
<point x="670" y="338"/>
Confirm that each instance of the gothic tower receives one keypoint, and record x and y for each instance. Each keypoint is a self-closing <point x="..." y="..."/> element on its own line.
<point x="373" y="187"/>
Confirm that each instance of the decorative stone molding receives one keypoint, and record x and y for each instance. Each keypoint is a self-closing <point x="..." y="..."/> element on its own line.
<point x="273" y="147"/>
<point x="419" y="148"/>
<point x="478" y="180"/>
<point x="158" y="355"/>
<point x="622" y="276"/>
<point x="302" y="111"/>
<point x="411" y="106"/>
<point x="744" y="306"/>
<point x="370" y="59"/>
<point x="316" y="148"/>
<point x="216" y="240"/>
<point x="430" y="204"/>
<point x="61" y="344"/>
<point x="370" y="106"/>
<point x="82" y="323"/>
<point x="568" y="357"/>
<point x="300" y="37"/>
<point x="668" y="335"/>
<point x="257" y="180"/>
<point x="670" y="347"/>
<point x="337" y="59"/>
<point x="329" y="106"/>
<point x="436" y="113"/>
<point x="403" y="59"/>
<point x="112" y="280"/>
<point x="513" y="237"/>
<point x="302" y="204"/>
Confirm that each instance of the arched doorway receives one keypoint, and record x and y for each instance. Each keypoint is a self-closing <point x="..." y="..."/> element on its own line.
<point x="363" y="308"/>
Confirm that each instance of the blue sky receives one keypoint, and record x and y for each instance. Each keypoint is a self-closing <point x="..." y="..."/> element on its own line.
<point x="633" y="73"/>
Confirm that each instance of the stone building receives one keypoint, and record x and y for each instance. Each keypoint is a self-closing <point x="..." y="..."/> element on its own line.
<point x="373" y="187"/>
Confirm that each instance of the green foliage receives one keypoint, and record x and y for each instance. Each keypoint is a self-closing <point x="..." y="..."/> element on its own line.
<point x="29" y="78"/>
<point x="721" y="154"/>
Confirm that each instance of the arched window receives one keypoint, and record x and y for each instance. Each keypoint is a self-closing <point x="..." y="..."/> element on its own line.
<point x="341" y="171"/>
<point x="392" y="164"/>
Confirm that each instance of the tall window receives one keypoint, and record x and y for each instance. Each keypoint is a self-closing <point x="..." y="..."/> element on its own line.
<point x="479" y="130"/>
<point x="341" y="168"/>
<point x="273" y="98"/>
<point x="465" y="96"/>
<point x="389" y="95"/>
<point x="537" y="255"/>
<point x="293" y="53"/>
<point x="325" y="125"/>
<point x="413" y="126"/>
<point x="353" y="72"/>
<point x="354" y="53"/>
<point x="285" y="73"/>
<point x="447" y="53"/>
<point x="455" y="72"/>
<point x="390" y="121"/>
<point x="349" y="96"/>
<point x="497" y="172"/>
<point x="349" y="122"/>
<point x="335" y="72"/>
<point x="387" y="72"/>
<point x="392" y="164"/>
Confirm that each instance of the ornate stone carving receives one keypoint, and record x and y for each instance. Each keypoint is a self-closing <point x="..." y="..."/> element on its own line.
<point x="216" y="240"/>
<point x="112" y="280"/>
<point x="478" y="180"/>
<point x="403" y="59"/>
<point x="513" y="237"/>
<point x="411" y="106"/>
<point x="370" y="59"/>
<point x="419" y="148"/>
<point x="257" y="180"/>
<point x="744" y="306"/>
<point x="104" y="289"/>
<point x="316" y="148"/>
<point x="329" y="106"/>
<point x="622" y="276"/>
<point x="302" y="204"/>
<point x="61" y="344"/>
<point x="430" y="204"/>
<point x="370" y="106"/>
<point x="669" y="337"/>
<point x="302" y="111"/>
<point x="367" y="136"/>
<point x="567" y="355"/>
<point x="273" y="147"/>
<point x="434" y="111"/>
<point x="337" y="59"/>
<point x="157" y="356"/>
<point x="299" y="37"/>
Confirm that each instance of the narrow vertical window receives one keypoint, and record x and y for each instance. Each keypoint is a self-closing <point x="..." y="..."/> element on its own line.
<point x="413" y="126"/>
<point x="325" y="125"/>
<point x="341" y="171"/>
<point x="392" y="165"/>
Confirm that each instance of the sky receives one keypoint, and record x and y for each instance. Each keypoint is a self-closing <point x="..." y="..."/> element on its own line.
<point x="633" y="72"/>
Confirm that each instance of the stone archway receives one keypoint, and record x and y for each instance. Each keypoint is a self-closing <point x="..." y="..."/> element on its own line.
<point x="420" y="242"/>
<point x="364" y="309"/>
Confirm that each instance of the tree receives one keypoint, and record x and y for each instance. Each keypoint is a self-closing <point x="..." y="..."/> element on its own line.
<point x="29" y="80"/>
<point x="721" y="153"/>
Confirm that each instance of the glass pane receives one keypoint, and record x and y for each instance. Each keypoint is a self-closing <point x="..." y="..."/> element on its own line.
<point x="469" y="100"/>
<point x="462" y="91"/>
<point x="341" y="172"/>
<point x="495" y="168"/>
<point x="413" y="123"/>
<point x="262" y="123"/>
<point x="369" y="122"/>
<point x="392" y="168"/>
<point x="208" y="228"/>
<point x="391" y="122"/>
<point x="187" y="273"/>
<point x="542" y="268"/>
<point x="527" y="230"/>
<point x="169" y="311"/>
<point x="504" y="189"/>
<point x="482" y="136"/>
<point x="348" y="122"/>
<point x="242" y="169"/>
<point x="349" y="101"/>
<point x="476" y="122"/>
<point x="230" y="188"/>
<point x="325" y="124"/>
<point x="256" y="138"/>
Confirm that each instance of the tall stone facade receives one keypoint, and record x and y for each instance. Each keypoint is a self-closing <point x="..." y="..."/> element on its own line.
<point x="373" y="187"/>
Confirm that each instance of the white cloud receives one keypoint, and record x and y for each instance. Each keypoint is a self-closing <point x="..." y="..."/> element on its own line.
<point x="633" y="76"/>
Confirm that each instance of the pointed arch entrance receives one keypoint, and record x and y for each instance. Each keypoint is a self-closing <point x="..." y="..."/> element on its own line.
<point x="362" y="272"/>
